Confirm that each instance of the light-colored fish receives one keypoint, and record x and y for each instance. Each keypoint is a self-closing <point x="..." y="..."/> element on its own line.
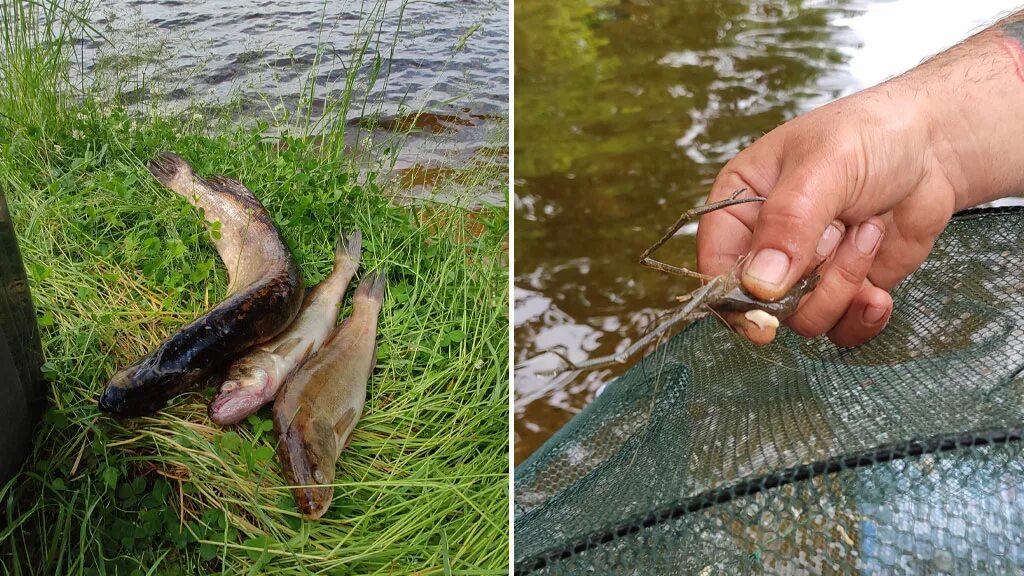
<point x="264" y="295"/>
<point x="316" y="412"/>
<point x="254" y="379"/>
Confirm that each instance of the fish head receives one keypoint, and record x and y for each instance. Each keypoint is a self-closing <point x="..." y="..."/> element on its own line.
<point x="243" y="393"/>
<point x="310" y="462"/>
<point x="140" y="389"/>
<point x="313" y="500"/>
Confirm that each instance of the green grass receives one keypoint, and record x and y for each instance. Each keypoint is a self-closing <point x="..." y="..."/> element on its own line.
<point x="116" y="264"/>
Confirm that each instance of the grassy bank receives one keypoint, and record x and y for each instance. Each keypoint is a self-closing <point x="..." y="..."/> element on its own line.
<point x="116" y="264"/>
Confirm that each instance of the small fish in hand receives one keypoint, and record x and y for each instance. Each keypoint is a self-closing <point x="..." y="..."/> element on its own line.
<point x="254" y="379"/>
<point x="316" y="412"/>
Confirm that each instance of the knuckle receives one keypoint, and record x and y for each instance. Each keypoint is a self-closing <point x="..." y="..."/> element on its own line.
<point x="729" y="180"/>
<point x="823" y="309"/>
<point x="845" y="275"/>
<point x="930" y="229"/>
<point x="792" y="211"/>
<point x="808" y="322"/>
<point x="783" y="216"/>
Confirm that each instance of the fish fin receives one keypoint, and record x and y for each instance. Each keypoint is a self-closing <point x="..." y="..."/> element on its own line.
<point x="285" y="347"/>
<point x="319" y="434"/>
<point x="348" y="247"/>
<point x="372" y="287"/>
<point x="228" y="185"/>
<point x="339" y="427"/>
<point x="308" y="353"/>
<point x="337" y="330"/>
<point x="235" y="189"/>
<point x="167" y="167"/>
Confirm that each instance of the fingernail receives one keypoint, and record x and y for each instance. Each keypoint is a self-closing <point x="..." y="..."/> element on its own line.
<point x="873" y="315"/>
<point x="868" y="235"/>
<point x="829" y="240"/>
<point x="769" y="266"/>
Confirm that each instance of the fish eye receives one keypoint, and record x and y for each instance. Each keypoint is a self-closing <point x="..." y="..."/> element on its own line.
<point x="318" y="475"/>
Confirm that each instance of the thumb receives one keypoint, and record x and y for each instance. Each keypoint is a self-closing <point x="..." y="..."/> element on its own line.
<point x="790" y="225"/>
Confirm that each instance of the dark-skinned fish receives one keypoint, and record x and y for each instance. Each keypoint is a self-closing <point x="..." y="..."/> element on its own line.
<point x="264" y="294"/>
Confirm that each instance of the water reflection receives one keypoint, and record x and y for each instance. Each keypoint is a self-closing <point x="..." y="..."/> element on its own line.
<point x="625" y="111"/>
<point x="445" y="57"/>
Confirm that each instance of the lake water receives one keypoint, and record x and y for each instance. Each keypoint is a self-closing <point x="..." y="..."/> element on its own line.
<point x="448" y="58"/>
<point x="625" y="112"/>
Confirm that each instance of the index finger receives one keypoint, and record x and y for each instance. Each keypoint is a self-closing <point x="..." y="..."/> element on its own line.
<point x="724" y="236"/>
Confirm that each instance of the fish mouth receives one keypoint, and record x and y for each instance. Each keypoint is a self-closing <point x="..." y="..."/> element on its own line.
<point x="232" y="407"/>
<point x="128" y="395"/>
<point x="139" y="390"/>
<point x="112" y="400"/>
<point x="313" y="501"/>
<point x="312" y="498"/>
<point x="125" y="403"/>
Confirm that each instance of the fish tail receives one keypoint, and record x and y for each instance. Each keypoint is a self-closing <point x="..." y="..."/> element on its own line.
<point x="168" y="168"/>
<point x="372" y="287"/>
<point x="348" y="247"/>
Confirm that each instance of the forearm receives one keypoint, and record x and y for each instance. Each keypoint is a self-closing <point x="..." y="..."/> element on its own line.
<point x="973" y="99"/>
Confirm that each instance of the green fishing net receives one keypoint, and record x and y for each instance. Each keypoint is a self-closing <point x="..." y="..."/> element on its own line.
<point x="901" y="456"/>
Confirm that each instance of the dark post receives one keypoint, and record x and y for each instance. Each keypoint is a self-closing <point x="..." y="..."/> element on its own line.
<point x="21" y="383"/>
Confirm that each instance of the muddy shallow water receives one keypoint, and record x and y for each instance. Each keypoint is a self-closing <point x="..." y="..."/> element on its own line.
<point x="447" y="57"/>
<point x="625" y="112"/>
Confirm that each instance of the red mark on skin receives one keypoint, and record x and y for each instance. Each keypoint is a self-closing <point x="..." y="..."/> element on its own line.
<point x="1016" y="52"/>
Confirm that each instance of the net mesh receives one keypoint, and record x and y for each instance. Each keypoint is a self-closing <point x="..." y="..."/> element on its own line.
<point x="901" y="456"/>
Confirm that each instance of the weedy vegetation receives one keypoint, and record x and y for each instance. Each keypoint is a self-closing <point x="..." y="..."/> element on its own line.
<point x="116" y="263"/>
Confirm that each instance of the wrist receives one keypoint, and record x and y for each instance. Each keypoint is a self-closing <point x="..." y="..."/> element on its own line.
<point x="971" y="101"/>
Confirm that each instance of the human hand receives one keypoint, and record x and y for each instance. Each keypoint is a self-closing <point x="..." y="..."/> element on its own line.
<point x="868" y="182"/>
<point x="858" y="181"/>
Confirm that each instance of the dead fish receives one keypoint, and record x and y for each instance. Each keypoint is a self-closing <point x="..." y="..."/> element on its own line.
<point x="316" y="412"/>
<point x="254" y="379"/>
<point x="264" y="294"/>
